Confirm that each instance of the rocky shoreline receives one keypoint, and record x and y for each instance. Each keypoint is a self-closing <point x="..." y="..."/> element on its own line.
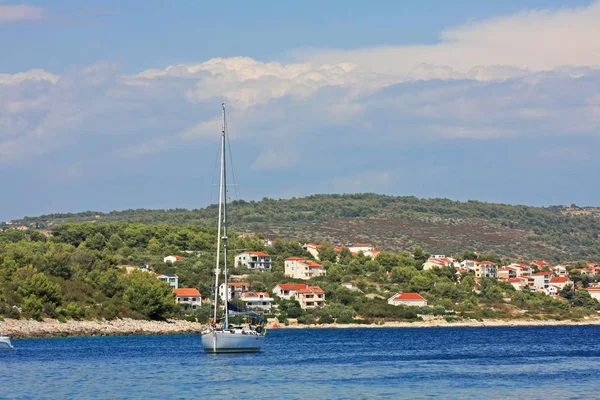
<point x="50" y="328"/>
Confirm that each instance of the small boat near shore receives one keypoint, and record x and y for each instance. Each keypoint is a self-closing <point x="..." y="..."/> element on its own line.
<point x="5" y="343"/>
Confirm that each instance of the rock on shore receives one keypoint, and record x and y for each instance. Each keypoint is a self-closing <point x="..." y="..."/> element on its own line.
<point x="53" y="328"/>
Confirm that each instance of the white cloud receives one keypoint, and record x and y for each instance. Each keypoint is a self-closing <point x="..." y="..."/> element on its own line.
<point x="21" y="12"/>
<point x="36" y="75"/>
<point x="536" y="40"/>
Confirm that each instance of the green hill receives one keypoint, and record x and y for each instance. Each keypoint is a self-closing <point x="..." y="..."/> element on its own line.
<point x="391" y="223"/>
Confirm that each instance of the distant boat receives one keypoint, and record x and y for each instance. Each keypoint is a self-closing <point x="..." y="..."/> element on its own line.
<point x="219" y="336"/>
<point x="4" y="341"/>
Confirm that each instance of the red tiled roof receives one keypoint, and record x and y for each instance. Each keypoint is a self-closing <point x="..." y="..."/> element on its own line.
<point x="515" y="280"/>
<point x="293" y="286"/>
<point x="409" y="297"/>
<point x="487" y="263"/>
<point x="238" y="284"/>
<point x="294" y="259"/>
<point x="255" y="294"/>
<point x="559" y="279"/>
<point x="542" y="273"/>
<point x="186" y="292"/>
<point x="259" y="253"/>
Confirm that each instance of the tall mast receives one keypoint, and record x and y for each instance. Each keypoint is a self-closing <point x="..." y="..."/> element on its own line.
<point x="220" y="219"/>
<point x="224" y="193"/>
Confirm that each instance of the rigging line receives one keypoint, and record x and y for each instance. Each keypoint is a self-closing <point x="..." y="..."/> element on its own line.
<point x="233" y="175"/>
<point x="214" y="174"/>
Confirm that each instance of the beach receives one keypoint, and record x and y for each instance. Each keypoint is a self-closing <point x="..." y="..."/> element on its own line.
<point x="49" y="328"/>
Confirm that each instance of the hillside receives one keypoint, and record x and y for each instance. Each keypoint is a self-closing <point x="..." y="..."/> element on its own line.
<point x="391" y="223"/>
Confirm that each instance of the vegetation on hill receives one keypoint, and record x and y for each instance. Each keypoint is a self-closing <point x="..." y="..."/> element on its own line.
<point x="81" y="272"/>
<point x="391" y="223"/>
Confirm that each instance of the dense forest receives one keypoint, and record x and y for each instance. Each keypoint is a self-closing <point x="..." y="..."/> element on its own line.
<point x="390" y="223"/>
<point x="80" y="272"/>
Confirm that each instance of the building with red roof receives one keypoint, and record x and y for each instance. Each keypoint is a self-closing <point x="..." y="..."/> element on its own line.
<point x="407" y="299"/>
<point x="560" y="281"/>
<point x="308" y="296"/>
<point x="254" y="260"/>
<point x="299" y="268"/>
<point x="257" y="301"/>
<point x="188" y="298"/>
<point x="172" y="259"/>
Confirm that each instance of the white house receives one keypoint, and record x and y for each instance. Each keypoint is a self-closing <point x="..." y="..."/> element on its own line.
<point x="486" y="269"/>
<point x="172" y="259"/>
<point x="541" y="279"/>
<point x="436" y="262"/>
<point x="170" y="279"/>
<point x="407" y="299"/>
<point x="257" y="301"/>
<point x="560" y="281"/>
<point x="364" y="247"/>
<point x="299" y="268"/>
<point x="308" y="296"/>
<point x="255" y="260"/>
<point x="468" y="265"/>
<point x="188" y="298"/>
<point x="518" y="283"/>
<point x="313" y="249"/>
<point x="236" y="290"/>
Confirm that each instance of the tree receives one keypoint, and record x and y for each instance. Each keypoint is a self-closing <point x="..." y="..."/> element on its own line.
<point x="154" y="247"/>
<point x="327" y="252"/>
<point x="115" y="242"/>
<point x="149" y="297"/>
<point x="96" y="242"/>
<point x="420" y="255"/>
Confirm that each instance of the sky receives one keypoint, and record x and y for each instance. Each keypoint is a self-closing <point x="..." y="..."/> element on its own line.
<point x="110" y="105"/>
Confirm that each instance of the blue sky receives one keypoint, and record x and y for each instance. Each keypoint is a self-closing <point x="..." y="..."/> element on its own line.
<point x="115" y="104"/>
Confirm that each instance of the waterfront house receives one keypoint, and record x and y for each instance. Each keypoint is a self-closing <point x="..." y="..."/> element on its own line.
<point x="309" y="297"/>
<point x="188" y="298"/>
<point x="299" y="268"/>
<point x="254" y="260"/>
<point x="257" y="301"/>
<point x="170" y="279"/>
<point x="407" y="299"/>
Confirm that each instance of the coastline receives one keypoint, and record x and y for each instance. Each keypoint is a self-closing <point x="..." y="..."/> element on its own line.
<point x="50" y="328"/>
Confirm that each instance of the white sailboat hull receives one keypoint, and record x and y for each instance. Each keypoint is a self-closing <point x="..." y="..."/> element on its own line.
<point x="227" y="342"/>
<point x="5" y="343"/>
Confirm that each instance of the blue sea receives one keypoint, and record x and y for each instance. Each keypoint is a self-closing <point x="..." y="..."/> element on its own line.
<point x="445" y="363"/>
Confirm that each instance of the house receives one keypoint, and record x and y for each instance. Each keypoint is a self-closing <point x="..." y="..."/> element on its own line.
<point x="357" y="247"/>
<point x="560" y="270"/>
<point x="313" y="249"/>
<point x="540" y="264"/>
<point x="486" y="269"/>
<point x="188" y="298"/>
<point x="299" y="268"/>
<point x="541" y="279"/>
<point x="407" y="299"/>
<point x="560" y="281"/>
<point x="236" y="289"/>
<point x="372" y="254"/>
<point x="507" y="273"/>
<point x="171" y="279"/>
<point x="257" y="301"/>
<point x="309" y="297"/>
<point x="21" y="228"/>
<point x="469" y="265"/>
<point x="172" y="259"/>
<point x="255" y="260"/>
<point x="432" y="263"/>
<point x="518" y="283"/>
<point x="552" y="291"/>
<point x="594" y="291"/>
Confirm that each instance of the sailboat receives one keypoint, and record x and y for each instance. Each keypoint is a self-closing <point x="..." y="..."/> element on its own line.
<point x="4" y="341"/>
<point x="220" y="336"/>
